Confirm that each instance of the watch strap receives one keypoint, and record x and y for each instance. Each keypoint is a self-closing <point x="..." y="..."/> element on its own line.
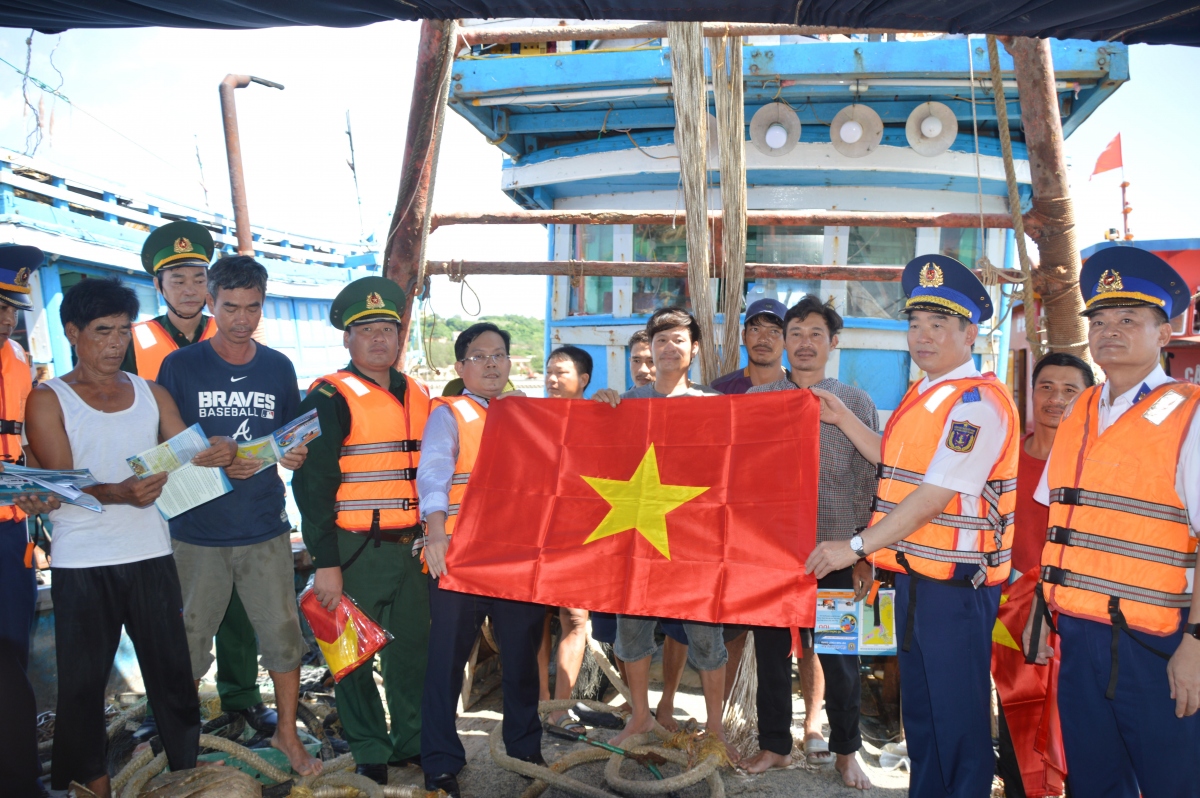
<point x="1192" y="629"/>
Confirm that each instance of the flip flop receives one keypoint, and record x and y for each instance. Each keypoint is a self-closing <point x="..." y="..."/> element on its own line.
<point x="600" y="720"/>
<point x="817" y="753"/>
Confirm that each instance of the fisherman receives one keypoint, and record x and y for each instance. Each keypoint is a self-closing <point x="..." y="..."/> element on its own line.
<point x="358" y="502"/>
<point x="675" y="343"/>
<point x="177" y="256"/>
<point x="1058" y="380"/>
<point x="232" y="385"/>
<point x="449" y="451"/>
<point x="942" y="522"/>
<point x="847" y="481"/>
<point x="604" y="624"/>
<point x="568" y="374"/>
<point x="762" y="335"/>
<point x="18" y="587"/>
<point x="113" y="569"/>
<point x="1119" y="564"/>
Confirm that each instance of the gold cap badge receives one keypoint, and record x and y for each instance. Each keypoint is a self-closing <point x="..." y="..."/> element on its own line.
<point x="182" y="245"/>
<point x="931" y="276"/>
<point x="22" y="278"/>
<point x="374" y="301"/>
<point x="1109" y="281"/>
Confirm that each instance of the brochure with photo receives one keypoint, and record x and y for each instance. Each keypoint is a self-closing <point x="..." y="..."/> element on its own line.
<point x="188" y="486"/>
<point x="272" y="448"/>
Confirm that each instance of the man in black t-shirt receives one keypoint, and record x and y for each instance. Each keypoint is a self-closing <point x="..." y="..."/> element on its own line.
<point x="233" y="386"/>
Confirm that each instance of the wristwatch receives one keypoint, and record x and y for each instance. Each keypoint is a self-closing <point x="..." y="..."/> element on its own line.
<point x="856" y="543"/>
<point x="1192" y="629"/>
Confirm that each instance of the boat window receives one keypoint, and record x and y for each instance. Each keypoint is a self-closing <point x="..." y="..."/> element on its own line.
<point x="878" y="246"/>
<point x="796" y="245"/>
<point x="659" y="244"/>
<point x="591" y="296"/>
<point x="963" y="245"/>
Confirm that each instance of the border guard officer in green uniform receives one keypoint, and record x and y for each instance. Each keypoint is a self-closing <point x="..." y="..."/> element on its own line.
<point x="358" y="502"/>
<point x="177" y="256"/>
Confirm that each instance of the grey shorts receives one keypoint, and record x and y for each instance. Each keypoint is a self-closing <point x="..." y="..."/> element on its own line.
<point x="263" y="574"/>
<point x="635" y="641"/>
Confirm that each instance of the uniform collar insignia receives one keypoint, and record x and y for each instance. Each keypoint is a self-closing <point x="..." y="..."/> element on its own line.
<point x="1142" y="393"/>
<point x="931" y="276"/>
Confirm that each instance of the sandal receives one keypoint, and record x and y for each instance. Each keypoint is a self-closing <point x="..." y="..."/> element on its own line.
<point x="600" y="720"/>
<point x="817" y="753"/>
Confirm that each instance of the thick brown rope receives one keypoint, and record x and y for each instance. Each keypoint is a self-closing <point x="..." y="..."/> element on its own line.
<point x="731" y="126"/>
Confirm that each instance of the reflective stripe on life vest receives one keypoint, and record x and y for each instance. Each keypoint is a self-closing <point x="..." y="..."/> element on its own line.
<point x="379" y="472"/>
<point x="152" y="343"/>
<point x="911" y="439"/>
<point x="1120" y="534"/>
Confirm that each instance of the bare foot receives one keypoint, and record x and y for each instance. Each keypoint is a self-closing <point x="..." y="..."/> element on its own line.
<point x="633" y="727"/>
<point x="852" y="774"/>
<point x="297" y="756"/>
<point x="664" y="715"/>
<point x="766" y="760"/>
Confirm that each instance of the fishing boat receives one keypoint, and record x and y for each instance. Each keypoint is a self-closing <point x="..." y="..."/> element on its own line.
<point x="891" y="124"/>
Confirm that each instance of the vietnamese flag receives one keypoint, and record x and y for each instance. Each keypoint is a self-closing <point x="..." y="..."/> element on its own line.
<point x="1109" y="159"/>
<point x="698" y="508"/>
<point x="1029" y="694"/>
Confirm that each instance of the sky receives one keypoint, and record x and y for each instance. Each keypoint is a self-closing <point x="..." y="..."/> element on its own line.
<point x="144" y="103"/>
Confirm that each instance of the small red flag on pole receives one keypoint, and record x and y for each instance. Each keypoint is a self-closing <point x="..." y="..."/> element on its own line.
<point x="1109" y="159"/>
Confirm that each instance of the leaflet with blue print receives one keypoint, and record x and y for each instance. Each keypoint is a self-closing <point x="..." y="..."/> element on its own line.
<point x="846" y="626"/>
<point x="66" y="485"/>
<point x="188" y="485"/>
<point x="270" y="449"/>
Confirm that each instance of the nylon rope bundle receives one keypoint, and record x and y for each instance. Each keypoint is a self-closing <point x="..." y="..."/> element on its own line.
<point x="726" y="54"/>
<point x="691" y="139"/>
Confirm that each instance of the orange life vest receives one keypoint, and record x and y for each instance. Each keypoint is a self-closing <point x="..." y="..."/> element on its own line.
<point x="16" y="382"/>
<point x="1120" y="544"/>
<point x="470" y="416"/>
<point x="911" y="439"/>
<point x="152" y="343"/>
<point x="379" y="471"/>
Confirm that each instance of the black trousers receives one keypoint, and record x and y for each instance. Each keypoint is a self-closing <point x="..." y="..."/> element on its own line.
<point x="455" y="621"/>
<point x="19" y="765"/>
<point x="90" y="607"/>
<point x="843" y="696"/>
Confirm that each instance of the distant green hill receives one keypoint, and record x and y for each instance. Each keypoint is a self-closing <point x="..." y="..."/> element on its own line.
<point x="528" y="337"/>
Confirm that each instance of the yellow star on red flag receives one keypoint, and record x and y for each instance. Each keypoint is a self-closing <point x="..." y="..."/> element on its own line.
<point x="641" y="503"/>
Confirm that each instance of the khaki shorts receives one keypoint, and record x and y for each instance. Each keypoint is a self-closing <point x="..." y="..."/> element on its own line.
<point x="264" y="577"/>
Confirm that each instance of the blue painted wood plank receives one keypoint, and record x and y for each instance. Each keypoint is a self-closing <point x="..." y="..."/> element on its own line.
<point x="939" y="58"/>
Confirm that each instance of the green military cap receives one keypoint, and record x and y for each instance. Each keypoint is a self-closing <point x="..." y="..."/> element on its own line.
<point x="177" y="244"/>
<point x="367" y="299"/>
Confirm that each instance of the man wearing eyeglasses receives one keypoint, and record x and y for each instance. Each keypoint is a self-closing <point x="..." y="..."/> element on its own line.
<point x="448" y="454"/>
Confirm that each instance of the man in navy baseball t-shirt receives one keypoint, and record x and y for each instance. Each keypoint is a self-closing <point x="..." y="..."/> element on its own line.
<point x="233" y="386"/>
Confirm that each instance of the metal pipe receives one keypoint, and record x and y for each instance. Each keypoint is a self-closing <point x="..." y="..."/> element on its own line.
<point x="233" y="152"/>
<point x="605" y="268"/>
<point x="757" y="218"/>
<point x="644" y="30"/>
<point x="404" y="251"/>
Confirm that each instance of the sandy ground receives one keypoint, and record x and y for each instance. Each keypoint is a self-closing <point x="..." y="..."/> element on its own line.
<point x="482" y="778"/>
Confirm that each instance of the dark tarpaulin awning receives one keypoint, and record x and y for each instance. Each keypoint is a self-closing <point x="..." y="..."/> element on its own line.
<point x="1129" y="21"/>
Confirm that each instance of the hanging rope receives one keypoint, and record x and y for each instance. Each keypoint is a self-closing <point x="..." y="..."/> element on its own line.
<point x="740" y="717"/>
<point x="1033" y="325"/>
<point x="731" y="137"/>
<point x="691" y="138"/>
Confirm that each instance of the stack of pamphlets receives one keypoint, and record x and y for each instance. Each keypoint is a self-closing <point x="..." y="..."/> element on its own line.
<point x="66" y="485"/>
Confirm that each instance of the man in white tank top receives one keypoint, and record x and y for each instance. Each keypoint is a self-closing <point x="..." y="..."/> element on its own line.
<point x="113" y="569"/>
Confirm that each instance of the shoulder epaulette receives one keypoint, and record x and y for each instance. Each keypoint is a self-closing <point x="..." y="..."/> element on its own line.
<point x="971" y="395"/>
<point x="326" y="389"/>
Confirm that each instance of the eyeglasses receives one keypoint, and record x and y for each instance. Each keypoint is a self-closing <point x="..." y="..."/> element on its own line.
<point x="770" y="332"/>
<point x="491" y="360"/>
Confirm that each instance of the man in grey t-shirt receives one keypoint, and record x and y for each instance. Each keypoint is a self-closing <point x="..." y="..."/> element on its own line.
<point x="846" y="484"/>
<point x="674" y="344"/>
